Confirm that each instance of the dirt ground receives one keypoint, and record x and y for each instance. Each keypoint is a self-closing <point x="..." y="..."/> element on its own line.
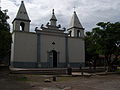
<point x="36" y="82"/>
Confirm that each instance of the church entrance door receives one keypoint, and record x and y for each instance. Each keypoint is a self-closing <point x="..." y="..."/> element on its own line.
<point x="54" y="58"/>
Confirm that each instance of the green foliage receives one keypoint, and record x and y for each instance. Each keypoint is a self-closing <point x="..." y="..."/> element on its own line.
<point x="5" y="43"/>
<point x="104" y="40"/>
<point x="22" y="79"/>
<point x="5" y="36"/>
<point x="3" y="21"/>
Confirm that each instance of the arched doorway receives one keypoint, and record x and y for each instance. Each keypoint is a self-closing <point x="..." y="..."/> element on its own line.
<point x="54" y="58"/>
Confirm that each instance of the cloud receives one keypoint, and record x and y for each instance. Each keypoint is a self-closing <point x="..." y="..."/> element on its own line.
<point x="89" y="12"/>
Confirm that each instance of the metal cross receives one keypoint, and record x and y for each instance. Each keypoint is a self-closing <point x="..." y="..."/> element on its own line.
<point x="74" y="8"/>
<point x="0" y="5"/>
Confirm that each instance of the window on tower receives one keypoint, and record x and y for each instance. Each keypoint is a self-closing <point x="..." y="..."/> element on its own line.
<point x="78" y="33"/>
<point x="70" y="33"/>
<point x="22" y="26"/>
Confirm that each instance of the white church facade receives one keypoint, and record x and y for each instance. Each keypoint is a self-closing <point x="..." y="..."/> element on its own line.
<point x="49" y="46"/>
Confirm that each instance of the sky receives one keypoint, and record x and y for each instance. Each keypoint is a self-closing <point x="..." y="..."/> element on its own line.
<point x="90" y="12"/>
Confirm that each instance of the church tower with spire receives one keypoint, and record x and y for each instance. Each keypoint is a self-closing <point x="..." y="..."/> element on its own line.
<point x="22" y="21"/>
<point x="75" y="28"/>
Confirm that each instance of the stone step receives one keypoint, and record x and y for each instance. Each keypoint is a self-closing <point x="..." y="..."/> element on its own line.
<point x="39" y="71"/>
<point x="49" y="71"/>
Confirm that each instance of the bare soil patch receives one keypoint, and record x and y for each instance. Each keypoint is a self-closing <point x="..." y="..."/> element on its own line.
<point x="36" y="82"/>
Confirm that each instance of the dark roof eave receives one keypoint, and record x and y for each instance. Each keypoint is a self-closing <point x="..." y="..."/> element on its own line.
<point x="21" y="20"/>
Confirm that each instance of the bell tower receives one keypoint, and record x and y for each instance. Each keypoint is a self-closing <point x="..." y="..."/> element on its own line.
<point x="75" y="28"/>
<point x="22" y="21"/>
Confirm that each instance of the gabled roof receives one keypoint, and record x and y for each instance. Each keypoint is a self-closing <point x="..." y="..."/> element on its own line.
<point x="22" y="13"/>
<point x="75" y="21"/>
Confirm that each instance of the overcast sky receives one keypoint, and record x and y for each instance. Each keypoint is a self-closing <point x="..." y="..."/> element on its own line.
<point x="89" y="12"/>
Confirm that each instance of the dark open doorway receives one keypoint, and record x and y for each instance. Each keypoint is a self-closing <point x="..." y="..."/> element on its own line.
<point x="54" y="58"/>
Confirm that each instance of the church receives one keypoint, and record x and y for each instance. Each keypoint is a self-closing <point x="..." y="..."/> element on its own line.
<point x="49" y="46"/>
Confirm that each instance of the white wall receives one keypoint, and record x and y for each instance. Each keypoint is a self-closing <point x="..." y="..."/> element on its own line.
<point x="25" y="48"/>
<point x="76" y="50"/>
<point x="46" y="46"/>
<point x="12" y="47"/>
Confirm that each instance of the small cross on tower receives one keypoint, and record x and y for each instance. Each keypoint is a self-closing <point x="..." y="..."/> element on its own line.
<point x="74" y="8"/>
<point x="0" y="5"/>
<point x="53" y="11"/>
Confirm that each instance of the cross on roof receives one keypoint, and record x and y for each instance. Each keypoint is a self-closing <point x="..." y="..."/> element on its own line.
<point x="74" y="8"/>
<point x="0" y="4"/>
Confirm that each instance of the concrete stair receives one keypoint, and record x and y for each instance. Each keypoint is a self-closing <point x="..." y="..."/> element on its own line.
<point x="45" y="71"/>
<point x="51" y="71"/>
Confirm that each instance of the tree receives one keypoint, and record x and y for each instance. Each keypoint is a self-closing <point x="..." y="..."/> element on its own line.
<point x="105" y="40"/>
<point x="91" y="54"/>
<point x="5" y="37"/>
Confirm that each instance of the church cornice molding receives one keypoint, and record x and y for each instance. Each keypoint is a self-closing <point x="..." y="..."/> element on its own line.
<point x="81" y="38"/>
<point x="76" y="28"/>
<point x="51" y="33"/>
<point x="15" y="31"/>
